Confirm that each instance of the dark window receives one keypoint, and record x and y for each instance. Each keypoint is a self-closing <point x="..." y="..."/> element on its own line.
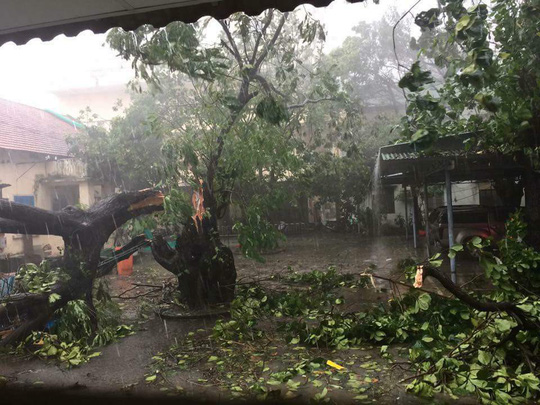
<point x="388" y="205"/>
<point x="64" y="196"/>
<point x="467" y="217"/>
<point x="489" y="197"/>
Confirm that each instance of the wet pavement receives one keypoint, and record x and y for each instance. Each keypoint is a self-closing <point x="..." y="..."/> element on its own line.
<point x="123" y="365"/>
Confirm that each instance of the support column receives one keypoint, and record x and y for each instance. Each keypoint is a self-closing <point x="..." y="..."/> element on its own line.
<point x="426" y="219"/>
<point x="406" y="213"/>
<point x="415" y="232"/>
<point x="450" y="214"/>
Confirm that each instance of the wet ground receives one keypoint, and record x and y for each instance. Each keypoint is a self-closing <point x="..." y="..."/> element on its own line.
<point x="122" y="367"/>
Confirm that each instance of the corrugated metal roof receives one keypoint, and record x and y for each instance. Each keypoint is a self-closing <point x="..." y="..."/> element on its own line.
<point x="416" y="155"/>
<point x="33" y="130"/>
<point x="447" y="146"/>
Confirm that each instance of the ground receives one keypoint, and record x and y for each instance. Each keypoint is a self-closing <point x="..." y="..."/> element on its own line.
<point x="127" y="364"/>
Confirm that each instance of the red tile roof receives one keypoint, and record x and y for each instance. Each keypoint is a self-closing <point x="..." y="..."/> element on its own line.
<point x="30" y="129"/>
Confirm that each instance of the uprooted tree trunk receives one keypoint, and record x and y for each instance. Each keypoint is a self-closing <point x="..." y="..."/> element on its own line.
<point x="203" y="265"/>
<point x="531" y="181"/>
<point x="84" y="234"/>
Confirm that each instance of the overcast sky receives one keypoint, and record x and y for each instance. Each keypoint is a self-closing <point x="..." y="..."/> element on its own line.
<point x="31" y="73"/>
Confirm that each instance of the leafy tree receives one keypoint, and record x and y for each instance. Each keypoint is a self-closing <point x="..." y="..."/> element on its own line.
<point x="126" y="152"/>
<point x="369" y="62"/>
<point x="235" y="110"/>
<point x="342" y="180"/>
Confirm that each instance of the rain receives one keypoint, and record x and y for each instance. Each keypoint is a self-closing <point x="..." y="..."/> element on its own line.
<point x="315" y="204"/>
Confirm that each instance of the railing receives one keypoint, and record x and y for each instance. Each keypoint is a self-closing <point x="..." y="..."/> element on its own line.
<point x="294" y="228"/>
<point x="73" y="168"/>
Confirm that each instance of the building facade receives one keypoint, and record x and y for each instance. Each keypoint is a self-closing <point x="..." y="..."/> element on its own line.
<point x="36" y="169"/>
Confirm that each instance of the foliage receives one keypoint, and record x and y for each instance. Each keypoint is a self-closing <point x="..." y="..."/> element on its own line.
<point x="239" y="355"/>
<point x="342" y="180"/>
<point x="40" y="278"/>
<point x="514" y="270"/>
<point x="496" y="358"/>
<point x="256" y="234"/>
<point x="235" y="113"/>
<point x="452" y="348"/>
<point x="70" y="338"/>
<point x="491" y="86"/>
<point x="124" y="152"/>
<point x="253" y="303"/>
<point x="48" y="345"/>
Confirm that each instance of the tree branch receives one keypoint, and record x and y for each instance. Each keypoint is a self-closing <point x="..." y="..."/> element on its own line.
<point x="230" y="38"/>
<point x="483" y="306"/>
<point x="310" y="101"/>
<point x="269" y="17"/>
<point x="272" y="42"/>
<point x="37" y="220"/>
<point x="269" y="87"/>
<point x="9" y="226"/>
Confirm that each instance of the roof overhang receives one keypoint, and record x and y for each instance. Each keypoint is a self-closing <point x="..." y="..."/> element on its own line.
<point x="23" y="20"/>
<point x="406" y="165"/>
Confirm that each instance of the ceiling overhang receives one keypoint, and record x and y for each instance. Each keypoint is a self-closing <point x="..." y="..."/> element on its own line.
<point x="23" y="20"/>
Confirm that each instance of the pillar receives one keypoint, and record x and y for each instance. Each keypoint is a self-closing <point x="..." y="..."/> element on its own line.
<point x="450" y="214"/>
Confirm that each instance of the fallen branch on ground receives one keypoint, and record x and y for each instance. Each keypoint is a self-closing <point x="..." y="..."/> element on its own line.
<point x="484" y="306"/>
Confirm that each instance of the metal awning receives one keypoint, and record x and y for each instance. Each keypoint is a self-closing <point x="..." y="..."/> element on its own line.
<point x="448" y="160"/>
<point x="23" y="20"/>
<point x="404" y="164"/>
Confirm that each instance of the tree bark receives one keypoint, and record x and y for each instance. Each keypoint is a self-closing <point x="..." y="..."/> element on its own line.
<point x="532" y="204"/>
<point x="510" y="308"/>
<point x="84" y="234"/>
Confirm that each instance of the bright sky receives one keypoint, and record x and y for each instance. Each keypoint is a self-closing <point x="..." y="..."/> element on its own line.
<point x="31" y="73"/>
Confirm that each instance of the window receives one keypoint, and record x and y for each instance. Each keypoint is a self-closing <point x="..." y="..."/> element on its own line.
<point x="388" y="203"/>
<point x="24" y="199"/>
<point x="64" y="196"/>
<point x="489" y="197"/>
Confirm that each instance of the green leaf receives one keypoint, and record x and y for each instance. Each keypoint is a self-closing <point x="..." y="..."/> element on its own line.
<point x="484" y="357"/>
<point x="423" y="301"/>
<point x="321" y="395"/>
<point x="463" y="23"/>
<point x="503" y="325"/>
<point x="53" y="298"/>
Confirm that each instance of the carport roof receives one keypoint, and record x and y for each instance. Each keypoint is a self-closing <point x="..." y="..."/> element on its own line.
<point x="405" y="164"/>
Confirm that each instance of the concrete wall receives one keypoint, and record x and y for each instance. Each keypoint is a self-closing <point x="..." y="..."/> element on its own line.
<point x="462" y="194"/>
<point x="101" y="99"/>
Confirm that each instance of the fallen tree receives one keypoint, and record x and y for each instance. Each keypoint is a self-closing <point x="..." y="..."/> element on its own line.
<point x="84" y="233"/>
<point x="203" y="265"/>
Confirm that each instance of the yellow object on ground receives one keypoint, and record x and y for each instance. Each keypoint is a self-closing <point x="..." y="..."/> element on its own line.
<point x="335" y="365"/>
